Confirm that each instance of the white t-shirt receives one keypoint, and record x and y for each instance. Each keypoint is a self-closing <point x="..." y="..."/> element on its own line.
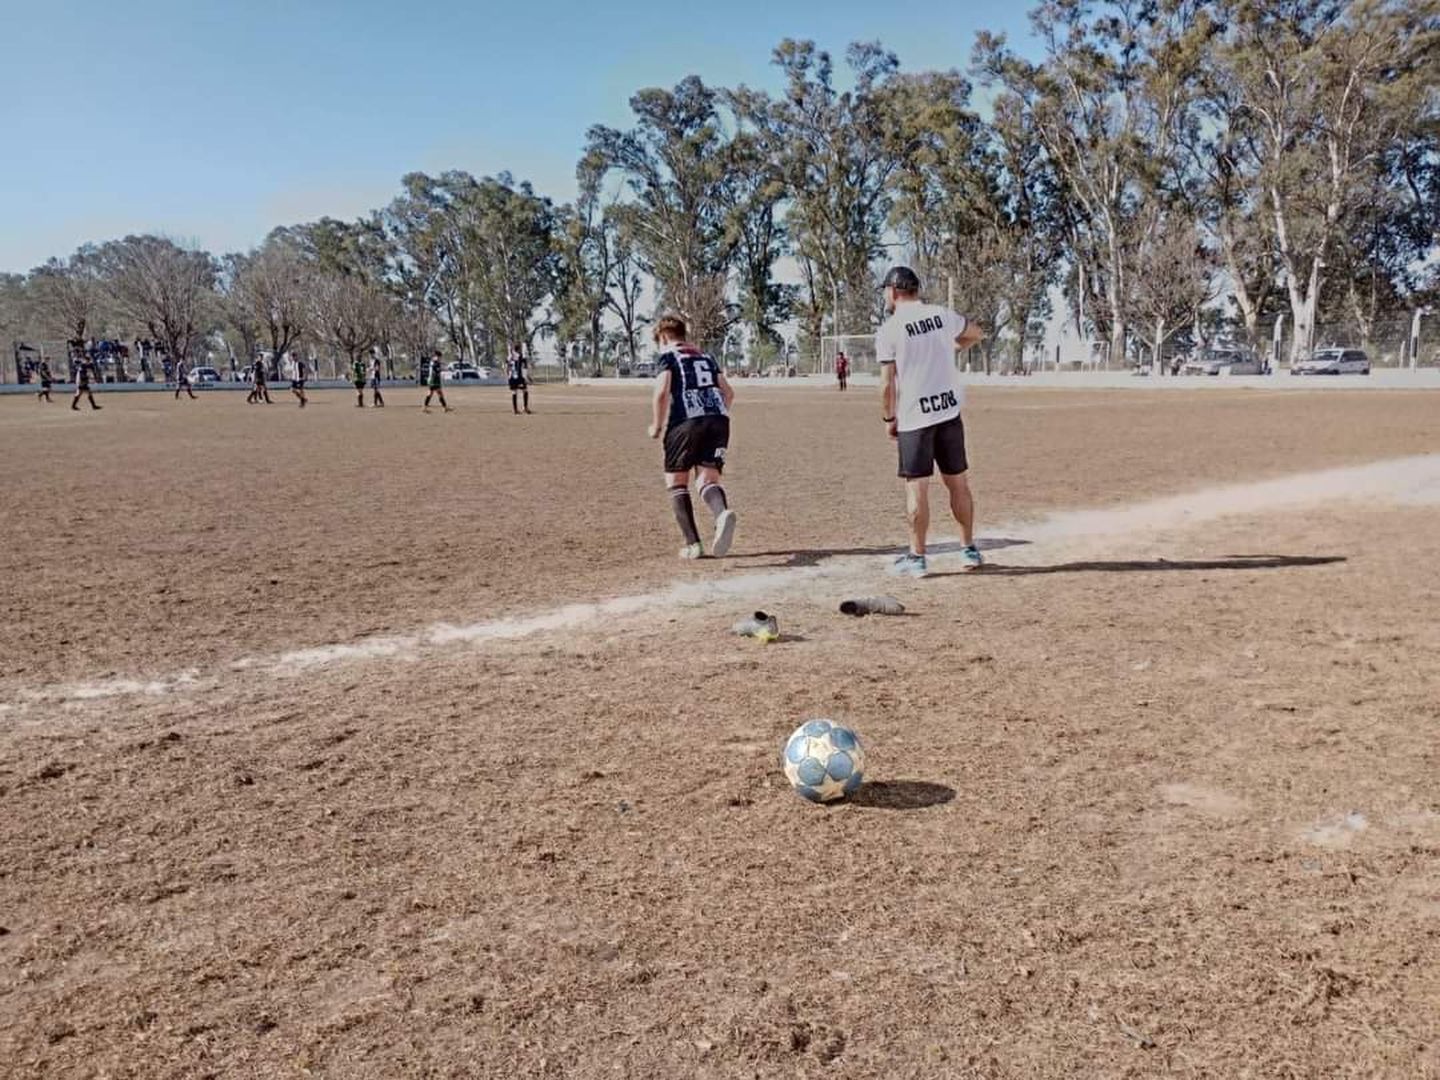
<point x="919" y="339"/>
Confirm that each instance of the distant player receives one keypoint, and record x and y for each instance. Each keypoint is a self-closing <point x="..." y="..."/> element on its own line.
<point x="297" y="384"/>
<point x="84" y="371"/>
<point x="921" y="410"/>
<point x="182" y="380"/>
<point x="517" y="371"/>
<point x="258" y="390"/>
<point x="376" y="374"/>
<point x="842" y="370"/>
<point x="434" y="385"/>
<point x="357" y="377"/>
<point x="45" y="382"/>
<point x="692" y="411"/>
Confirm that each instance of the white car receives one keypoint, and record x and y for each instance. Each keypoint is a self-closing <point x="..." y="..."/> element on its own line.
<point x="204" y="375"/>
<point x="1334" y="362"/>
<point x="1222" y="360"/>
<point x="465" y="374"/>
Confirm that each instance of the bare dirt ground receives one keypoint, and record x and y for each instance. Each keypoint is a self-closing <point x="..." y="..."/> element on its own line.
<point x="1158" y="801"/>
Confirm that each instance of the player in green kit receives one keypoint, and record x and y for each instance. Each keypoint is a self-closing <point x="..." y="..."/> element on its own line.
<point x="357" y="376"/>
<point x="434" y="385"/>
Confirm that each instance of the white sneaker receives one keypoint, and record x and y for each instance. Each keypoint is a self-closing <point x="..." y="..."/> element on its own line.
<point x="693" y="551"/>
<point x="724" y="533"/>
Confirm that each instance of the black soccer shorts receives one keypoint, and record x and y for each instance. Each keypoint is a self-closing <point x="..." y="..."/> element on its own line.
<point x="698" y="443"/>
<point x="942" y="444"/>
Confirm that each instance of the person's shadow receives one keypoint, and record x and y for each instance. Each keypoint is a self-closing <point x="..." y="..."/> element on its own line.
<point x="815" y="556"/>
<point x="901" y="795"/>
<point x="1114" y="566"/>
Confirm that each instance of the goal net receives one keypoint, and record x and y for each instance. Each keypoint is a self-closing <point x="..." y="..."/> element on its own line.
<point x="858" y="348"/>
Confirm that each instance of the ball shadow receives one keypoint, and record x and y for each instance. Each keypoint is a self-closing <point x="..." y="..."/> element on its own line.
<point x="902" y="795"/>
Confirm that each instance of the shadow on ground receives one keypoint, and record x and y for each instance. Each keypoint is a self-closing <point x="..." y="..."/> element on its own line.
<point x="1123" y="566"/>
<point x="902" y="795"/>
<point x="816" y="556"/>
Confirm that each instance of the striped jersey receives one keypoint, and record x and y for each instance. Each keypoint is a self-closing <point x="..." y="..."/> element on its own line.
<point x="694" y="384"/>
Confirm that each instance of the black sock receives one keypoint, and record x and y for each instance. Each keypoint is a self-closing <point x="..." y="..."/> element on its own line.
<point x="515" y="402"/>
<point x="527" y="400"/>
<point x="684" y="514"/>
<point x="713" y="496"/>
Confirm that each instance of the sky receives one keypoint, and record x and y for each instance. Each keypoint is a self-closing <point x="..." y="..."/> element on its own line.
<point x="213" y="121"/>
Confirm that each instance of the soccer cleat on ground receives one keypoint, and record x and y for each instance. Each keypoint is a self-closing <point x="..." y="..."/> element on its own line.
<point x="872" y="605"/>
<point x="763" y="628"/>
<point x="909" y="565"/>
<point x="693" y="551"/>
<point x="972" y="558"/>
<point x="724" y="533"/>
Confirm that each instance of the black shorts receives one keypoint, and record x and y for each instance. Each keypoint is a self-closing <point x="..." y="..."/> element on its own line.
<point x="702" y="442"/>
<point x="941" y="444"/>
<point x="297" y="384"/>
<point x="519" y="384"/>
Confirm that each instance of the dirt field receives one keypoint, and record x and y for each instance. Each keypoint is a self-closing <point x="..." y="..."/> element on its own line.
<point x="317" y="756"/>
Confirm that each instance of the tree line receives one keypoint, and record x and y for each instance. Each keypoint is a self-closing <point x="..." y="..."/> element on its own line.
<point x="1161" y="167"/>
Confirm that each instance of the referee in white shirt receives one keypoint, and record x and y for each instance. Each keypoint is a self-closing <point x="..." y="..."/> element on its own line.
<point x="922" y="397"/>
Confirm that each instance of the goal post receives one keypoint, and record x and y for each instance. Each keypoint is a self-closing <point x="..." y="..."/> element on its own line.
<point x="858" y="348"/>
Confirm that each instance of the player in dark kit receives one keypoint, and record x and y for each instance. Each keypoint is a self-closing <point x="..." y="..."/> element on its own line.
<point x="376" y="374"/>
<point x="297" y="384"/>
<point x="84" y="370"/>
<point x="517" y="371"/>
<point x="433" y="383"/>
<point x="45" y="381"/>
<point x="182" y="381"/>
<point x="259" y="390"/>
<point x="692" y="411"/>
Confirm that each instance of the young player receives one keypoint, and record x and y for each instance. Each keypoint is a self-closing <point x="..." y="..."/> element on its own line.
<point x="517" y="370"/>
<point x="376" y="375"/>
<point x="842" y="370"/>
<point x="258" y="390"/>
<point x="692" y="411"/>
<point x="182" y="380"/>
<point x="434" y="385"/>
<point x="297" y="384"/>
<point x="45" y="381"/>
<point x="357" y="377"/>
<point x="84" y="370"/>
<point x="921" y="410"/>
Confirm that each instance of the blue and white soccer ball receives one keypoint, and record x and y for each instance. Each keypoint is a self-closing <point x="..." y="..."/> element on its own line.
<point x="824" y="761"/>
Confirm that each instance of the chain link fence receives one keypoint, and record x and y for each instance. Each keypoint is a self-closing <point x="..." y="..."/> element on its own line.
<point x="1396" y="342"/>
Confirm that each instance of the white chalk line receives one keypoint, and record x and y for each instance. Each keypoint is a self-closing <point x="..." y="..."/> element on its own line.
<point x="1410" y="481"/>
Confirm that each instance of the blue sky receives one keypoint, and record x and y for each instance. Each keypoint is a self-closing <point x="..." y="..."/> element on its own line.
<point x="216" y="120"/>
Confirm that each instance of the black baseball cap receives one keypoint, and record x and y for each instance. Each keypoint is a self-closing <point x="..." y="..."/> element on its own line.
<point x="902" y="278"/>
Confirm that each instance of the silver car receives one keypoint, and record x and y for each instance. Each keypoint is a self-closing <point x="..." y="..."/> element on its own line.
<point x="1334" y="362"/>
<point x="1222" y="360"/>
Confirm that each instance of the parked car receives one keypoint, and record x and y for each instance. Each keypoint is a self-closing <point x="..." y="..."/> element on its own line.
<point x="645" y="369"/>
<point x="1334" y="362"/>
<point x="204" y="375"/>
<point x="465" y="374"/>
<point x="1222" y="360"/>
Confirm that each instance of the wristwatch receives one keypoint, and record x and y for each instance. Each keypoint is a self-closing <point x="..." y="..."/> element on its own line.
<point x="887" y="420"/>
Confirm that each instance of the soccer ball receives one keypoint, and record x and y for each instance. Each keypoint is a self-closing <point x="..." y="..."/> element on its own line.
<point x="824" y="761"/>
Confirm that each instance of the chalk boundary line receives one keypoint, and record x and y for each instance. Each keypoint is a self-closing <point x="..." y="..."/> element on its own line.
<point x="1408" y="481"/>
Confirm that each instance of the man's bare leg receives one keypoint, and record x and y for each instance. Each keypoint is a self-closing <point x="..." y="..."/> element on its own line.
<point x="962" y="505"/>
<point x="917" y="512"/>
